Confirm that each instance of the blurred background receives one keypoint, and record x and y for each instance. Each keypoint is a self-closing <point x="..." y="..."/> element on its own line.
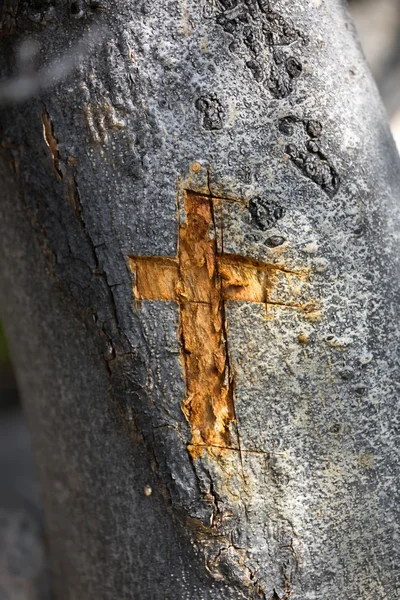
<point x="378" y="26"/>
<point x="22" y="546"/>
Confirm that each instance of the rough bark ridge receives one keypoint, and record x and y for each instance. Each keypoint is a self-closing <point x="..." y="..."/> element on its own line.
<point x="251" y="132"/>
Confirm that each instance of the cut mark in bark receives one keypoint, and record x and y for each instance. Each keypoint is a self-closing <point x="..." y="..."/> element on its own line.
<point x="200" y="280"/>
<point x="51" y="141"/>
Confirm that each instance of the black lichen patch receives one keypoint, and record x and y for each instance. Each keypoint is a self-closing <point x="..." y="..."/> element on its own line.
<point x="266" y="40"/>
<point x="77" y="9"/>
<point x="314" y="128"/>
<point x="264" y="213"/>
<point x="213" y="112"/>
<point x="35" y="11"/>
<point x="275" y="241"/>
<point x="308" y="155"/>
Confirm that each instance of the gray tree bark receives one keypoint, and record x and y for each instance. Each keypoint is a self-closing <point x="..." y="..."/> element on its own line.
<point x="220" y="419"/>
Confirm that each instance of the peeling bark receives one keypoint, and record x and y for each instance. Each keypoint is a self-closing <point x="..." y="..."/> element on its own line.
<point x="200" y="283"/>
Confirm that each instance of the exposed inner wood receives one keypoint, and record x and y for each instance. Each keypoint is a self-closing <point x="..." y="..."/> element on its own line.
<point x="156" y="278"/>
<point x="51" y="141"/>
<point x="209" y="401"/>
<point x="200" y="280"/>
<point x="241" y="281"/>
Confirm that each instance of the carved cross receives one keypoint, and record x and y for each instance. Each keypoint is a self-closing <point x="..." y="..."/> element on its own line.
<point x="200" y="280"/>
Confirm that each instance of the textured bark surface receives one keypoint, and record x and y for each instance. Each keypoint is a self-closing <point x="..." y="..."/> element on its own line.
<point x="264" y="113"/>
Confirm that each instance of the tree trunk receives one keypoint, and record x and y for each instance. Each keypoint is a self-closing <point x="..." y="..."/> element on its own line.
<point x="200" y="284"/>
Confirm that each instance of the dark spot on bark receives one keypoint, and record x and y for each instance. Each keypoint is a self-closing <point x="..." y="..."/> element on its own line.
<point x="347" y="373"/>
<point x="94" y="5"/>
<point x="361" y="390"/>
<point x="256" y="27"/>
<point x="336" y="428"/>
<point x="279" y="56"/>
<point x="264" y="5"/>
<point x="254" y="237"/>
<point x="35" y="5"/>
<point x="313" y="163"/>
<point x="228" y="4"/>
<point x="286" y="125"/>
<point x="145" y="8"/>
<point x="37" y="11"/>
<point x="359" y="230"/>
<point x="291" y="150"/>
<point x="279" y="212"/>
<point x="253" y="8"/>
<point x="313" y="147"/>
<point x="294" y="67"/>
<point x="229" y="25"/>
<point x="264" y="213"/>
<point x="279" y="82"/>
<point x="280" y="31"/>
<point x="251" y="41"/>
<point x="314" y="129"/>
<point x="212" y="110"/>
<point x="76" y="9"/>
<point x="255" y="69"/>
<point x="274" y="241"/>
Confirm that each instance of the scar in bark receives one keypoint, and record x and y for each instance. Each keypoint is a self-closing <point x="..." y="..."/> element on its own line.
<point x="51" y="141"/>
<point x="200" y="280"/>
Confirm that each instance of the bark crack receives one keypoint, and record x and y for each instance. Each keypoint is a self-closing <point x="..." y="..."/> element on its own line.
<point x="51" y="141"/>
